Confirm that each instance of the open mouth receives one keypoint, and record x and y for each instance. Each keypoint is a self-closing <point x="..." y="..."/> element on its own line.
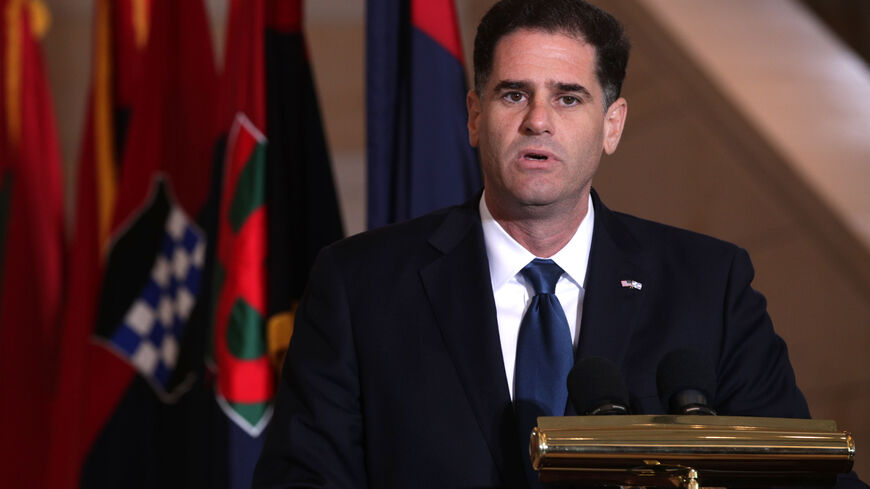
<point x="536" y="157"/>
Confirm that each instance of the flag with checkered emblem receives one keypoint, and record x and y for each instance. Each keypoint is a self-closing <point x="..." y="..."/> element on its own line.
<point x="132" y="404"/>
<point x="158" y="263"/>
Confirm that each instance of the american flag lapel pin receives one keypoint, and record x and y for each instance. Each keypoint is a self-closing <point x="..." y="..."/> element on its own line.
<point x="631" y="284"/>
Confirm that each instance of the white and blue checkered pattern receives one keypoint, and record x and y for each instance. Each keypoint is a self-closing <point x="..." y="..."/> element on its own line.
<point x="150" y="333"/>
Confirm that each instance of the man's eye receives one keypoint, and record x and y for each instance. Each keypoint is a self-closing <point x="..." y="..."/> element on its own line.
<point x="514" y="97"/>
<point x="569" y="100"/>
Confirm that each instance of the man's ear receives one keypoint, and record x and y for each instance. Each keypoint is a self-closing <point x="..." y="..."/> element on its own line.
<point x="614" y="121"/>
<point x="472" y="103"/>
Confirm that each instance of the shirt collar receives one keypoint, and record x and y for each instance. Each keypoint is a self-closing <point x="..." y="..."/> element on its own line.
<point x="507" y="257"/>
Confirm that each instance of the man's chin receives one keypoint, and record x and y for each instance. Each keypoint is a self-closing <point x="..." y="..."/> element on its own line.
<point x="549" y="201"/>
<point x="540" y="196"/>
<point x="537" y="204"/>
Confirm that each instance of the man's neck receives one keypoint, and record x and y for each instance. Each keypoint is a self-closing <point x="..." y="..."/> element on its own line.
<point x="542" y="230"/>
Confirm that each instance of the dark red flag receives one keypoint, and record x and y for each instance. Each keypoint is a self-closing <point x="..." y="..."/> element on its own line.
<point x="32" y="243"/>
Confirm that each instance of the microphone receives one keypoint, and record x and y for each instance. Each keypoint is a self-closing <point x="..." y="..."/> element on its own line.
<point x="686" y="382"/>
<point x="595" y="387"/>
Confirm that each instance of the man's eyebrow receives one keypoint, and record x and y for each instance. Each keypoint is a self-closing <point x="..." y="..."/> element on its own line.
<point x="574" y="87"/>
<point x="560" y="86"/>
<point x="510" y="85"/>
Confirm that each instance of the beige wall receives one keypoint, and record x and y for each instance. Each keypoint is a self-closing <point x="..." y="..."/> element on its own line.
<point x="722" y="139"/>
<point x="690" y="157"/>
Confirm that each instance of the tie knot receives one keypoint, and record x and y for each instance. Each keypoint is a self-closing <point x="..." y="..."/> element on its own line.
<point x="543" y="275"/>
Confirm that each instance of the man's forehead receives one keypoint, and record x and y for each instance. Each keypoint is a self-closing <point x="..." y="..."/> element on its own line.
<point x="552" y="57"/>
<point x="543" y="33"/>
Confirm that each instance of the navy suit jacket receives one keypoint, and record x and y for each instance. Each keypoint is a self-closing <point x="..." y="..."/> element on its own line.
<point x="394" y="376"/>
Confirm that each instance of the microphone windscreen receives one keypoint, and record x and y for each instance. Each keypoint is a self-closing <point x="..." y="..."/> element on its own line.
<point x="594" y="382"/>
<point x="682" y="370"/>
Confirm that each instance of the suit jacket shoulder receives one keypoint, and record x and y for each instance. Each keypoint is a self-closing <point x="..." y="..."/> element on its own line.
<point x="696" y="294"/>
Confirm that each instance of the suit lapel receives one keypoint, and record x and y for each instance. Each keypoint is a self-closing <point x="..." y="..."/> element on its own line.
<point x="460" y="292"/>
<point x="610" y="307"/>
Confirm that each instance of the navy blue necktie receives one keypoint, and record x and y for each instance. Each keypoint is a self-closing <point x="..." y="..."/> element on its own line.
<point x="545" y="353"/>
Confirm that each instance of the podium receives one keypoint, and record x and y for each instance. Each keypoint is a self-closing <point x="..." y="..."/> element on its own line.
<point x="689" y="451"/>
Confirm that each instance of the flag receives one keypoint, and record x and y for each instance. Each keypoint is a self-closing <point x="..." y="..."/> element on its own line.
<point x="246" y="384"/>
<point x="133" y="403"/>
<point x="419" y="158"/>
<point x="32" y="243"/>
<point x="246" y="379"/>
<point x="278" y="171"/>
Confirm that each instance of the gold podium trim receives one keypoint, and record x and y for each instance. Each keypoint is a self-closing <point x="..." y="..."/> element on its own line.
<point x="661" y="450"/>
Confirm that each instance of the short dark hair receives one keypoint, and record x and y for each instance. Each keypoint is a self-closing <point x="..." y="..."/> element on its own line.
<point x="575" y="18"/>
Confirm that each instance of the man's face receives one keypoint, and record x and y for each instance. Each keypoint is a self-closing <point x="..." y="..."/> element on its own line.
<point x="539" y="122"/>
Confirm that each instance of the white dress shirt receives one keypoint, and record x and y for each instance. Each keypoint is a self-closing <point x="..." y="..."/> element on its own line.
<point x="512" y="294"/>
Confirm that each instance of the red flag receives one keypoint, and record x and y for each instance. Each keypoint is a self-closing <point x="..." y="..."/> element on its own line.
<point x="286" y="184"/>
<point x="31" y="242"/>
<point x="160" y="106"/>
<point x="245" y="385"/>
<point x="118" y="47"/>
<point x="246" y="380"/>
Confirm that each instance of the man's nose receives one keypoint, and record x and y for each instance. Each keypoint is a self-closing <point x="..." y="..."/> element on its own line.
<point x="538" y="119"/>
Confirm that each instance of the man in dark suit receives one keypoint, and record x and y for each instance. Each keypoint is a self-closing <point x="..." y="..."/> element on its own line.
<point x="409" y="355"/>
